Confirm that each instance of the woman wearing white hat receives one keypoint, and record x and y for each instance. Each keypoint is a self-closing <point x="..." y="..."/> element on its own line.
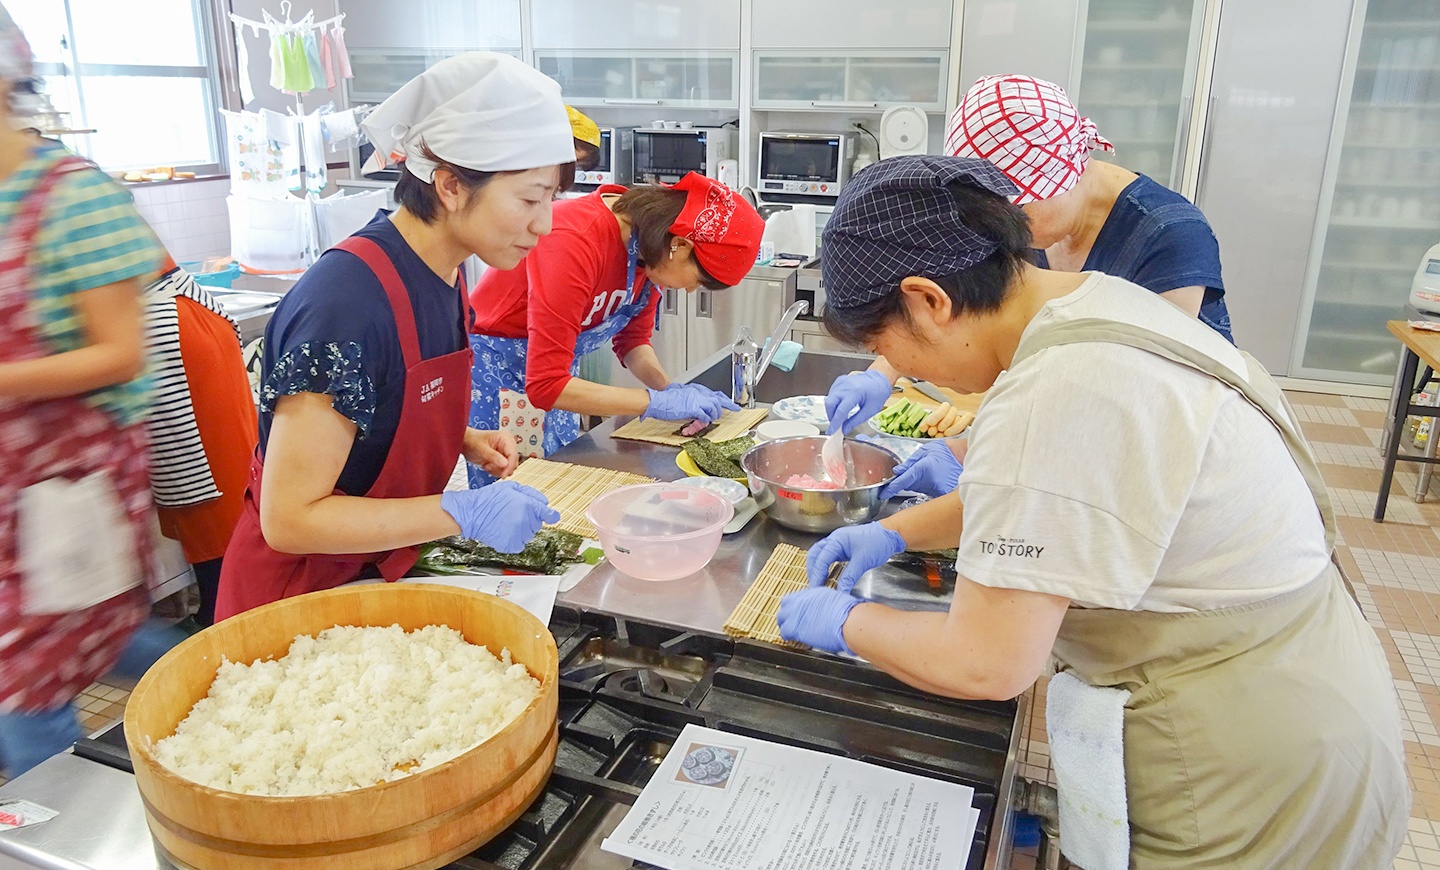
<point x="367" y="365"/>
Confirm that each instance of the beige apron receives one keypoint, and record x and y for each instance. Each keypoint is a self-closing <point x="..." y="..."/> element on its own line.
<point x="1260" y="736"/>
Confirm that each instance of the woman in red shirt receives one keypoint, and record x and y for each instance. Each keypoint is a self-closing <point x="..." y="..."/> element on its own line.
<point x="594" y="280"/>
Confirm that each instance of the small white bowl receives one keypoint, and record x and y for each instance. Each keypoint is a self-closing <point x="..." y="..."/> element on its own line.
<point x="773" y="430"/>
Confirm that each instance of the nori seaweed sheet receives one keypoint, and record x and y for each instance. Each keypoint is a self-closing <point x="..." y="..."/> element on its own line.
<point x="719" y="458"/>
<point x="548" y="552"/>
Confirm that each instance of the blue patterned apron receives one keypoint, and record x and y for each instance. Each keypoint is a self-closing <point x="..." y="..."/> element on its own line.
<point x="500" y="365"/>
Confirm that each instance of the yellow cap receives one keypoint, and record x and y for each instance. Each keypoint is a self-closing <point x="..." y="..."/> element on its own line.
<point x="583" y="128"/>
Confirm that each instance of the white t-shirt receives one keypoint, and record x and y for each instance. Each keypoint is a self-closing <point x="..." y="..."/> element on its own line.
<point x="1117" y="478"/>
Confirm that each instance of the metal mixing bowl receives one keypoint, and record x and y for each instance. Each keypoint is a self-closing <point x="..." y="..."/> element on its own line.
<point x="821" y="511"/>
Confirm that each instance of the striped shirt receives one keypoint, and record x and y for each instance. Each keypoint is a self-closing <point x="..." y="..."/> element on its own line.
<point x="180" y="472"/>
<point x="90" y="236"/>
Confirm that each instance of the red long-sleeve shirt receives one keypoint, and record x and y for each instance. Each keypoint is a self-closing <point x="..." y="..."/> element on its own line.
<point x="571" y="282"/>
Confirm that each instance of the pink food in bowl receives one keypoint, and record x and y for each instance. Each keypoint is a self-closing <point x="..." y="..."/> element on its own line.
<point x="659" y="531"/>
<point x="805" y="481"/>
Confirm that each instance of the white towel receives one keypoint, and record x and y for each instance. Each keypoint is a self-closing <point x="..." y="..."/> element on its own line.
<point x="1086" y="725"/>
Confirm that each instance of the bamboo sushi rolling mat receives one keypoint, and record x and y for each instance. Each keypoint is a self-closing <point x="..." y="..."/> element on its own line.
<point x="571" y="488"/>
<point x="755" y="616"/>
<point x="732" y="425"/>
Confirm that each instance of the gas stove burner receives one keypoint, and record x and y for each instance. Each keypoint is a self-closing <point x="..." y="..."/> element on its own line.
<point x="652" y="684"/>
<point x="598" y="660"/>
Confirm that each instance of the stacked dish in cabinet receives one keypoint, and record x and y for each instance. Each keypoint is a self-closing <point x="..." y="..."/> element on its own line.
<point x="1136" y="80"/>
<point x="1384" y="207"/>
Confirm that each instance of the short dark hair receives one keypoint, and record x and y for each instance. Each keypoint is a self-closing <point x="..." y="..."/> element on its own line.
<point x="980" y="289"/>
<point x="420" y="199"/>
<point x="652" y="210"/>
<point x="587" y="156"/>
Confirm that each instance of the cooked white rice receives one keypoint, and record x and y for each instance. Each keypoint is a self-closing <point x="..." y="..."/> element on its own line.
<point x="347" y="709"/>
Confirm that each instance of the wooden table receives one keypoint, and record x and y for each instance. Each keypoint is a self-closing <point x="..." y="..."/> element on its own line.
<point x="1418" y="346"/>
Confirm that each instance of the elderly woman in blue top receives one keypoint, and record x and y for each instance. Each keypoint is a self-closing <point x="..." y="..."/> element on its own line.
<point x="1139" y="506"/>
<point x="1083" y="217"/>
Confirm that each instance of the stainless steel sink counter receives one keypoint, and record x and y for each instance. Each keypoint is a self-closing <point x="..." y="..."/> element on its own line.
<point x="703" y="601"/>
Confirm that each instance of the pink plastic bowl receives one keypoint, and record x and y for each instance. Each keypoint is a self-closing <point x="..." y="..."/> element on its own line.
<point x="659" y="531"/>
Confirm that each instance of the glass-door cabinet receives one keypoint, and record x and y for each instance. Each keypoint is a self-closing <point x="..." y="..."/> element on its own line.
<point x="850" y="80"/>
<point x="1380" y="205"/>
<point x="1137" y="74"/>
<point x="702" y="79"/>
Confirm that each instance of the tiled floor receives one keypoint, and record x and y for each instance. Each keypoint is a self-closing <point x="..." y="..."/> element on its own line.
<point x="1395" y="569"/>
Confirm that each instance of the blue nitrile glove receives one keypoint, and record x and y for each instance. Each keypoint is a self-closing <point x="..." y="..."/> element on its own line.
<point x="816" y="618"/>
<point x="504" y="515"/>
<point x="932" y="470"/>
<point x="688" y="402"/>
<point x="864" y="547"/>
<point x="855" y="398"/>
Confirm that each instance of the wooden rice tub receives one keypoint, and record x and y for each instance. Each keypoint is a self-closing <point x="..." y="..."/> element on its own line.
<point x="425" y="820"/>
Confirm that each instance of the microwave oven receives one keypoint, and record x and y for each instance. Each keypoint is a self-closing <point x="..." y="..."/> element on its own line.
<point x="665" y="156"/>
<point x="805" y="164"/>
<point x="614" y="165"/>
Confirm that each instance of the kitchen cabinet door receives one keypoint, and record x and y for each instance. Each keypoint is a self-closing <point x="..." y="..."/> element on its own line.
<point x="380" y="72"/>
<point x="459" y="25"/>
<point x="812" y="336"/>
<point x="695" y="79"/>
<point x="648" y="25"/>
<point x="1380" y="209"/>
<point x="1034" y="37"/>
<point x="869" y="81"/>
<point x="1137" y="78"/>
<point x="670" y="340"/>
<point x="822" y="24"/>
<point x="716" y="316"/>
<point x="1263" y="159"/>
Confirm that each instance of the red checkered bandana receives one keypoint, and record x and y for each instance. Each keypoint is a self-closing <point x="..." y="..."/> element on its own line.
<point x="1029" y="129"/>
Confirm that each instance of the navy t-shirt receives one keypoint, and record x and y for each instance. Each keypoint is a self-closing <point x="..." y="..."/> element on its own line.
<point x="334" y="333"/>
<point x="1158" y="239"/>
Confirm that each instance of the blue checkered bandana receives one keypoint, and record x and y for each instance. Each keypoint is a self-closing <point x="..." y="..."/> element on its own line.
<point x="897" y="218"/>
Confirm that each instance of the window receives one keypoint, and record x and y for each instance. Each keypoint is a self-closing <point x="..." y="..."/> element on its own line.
<point x="142" y="76"/>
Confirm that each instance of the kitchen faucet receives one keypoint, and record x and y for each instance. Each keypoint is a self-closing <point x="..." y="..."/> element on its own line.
<point x="748" y="360"/>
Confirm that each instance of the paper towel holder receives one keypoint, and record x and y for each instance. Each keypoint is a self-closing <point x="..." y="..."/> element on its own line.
<point x="904" y="130"/>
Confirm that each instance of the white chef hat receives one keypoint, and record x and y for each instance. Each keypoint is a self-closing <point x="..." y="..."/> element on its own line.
<point x="483" y="111"/>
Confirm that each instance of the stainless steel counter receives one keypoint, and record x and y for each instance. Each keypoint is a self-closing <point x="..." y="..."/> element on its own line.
<point x="702" y="602"/>
<point x="101" y="825"/>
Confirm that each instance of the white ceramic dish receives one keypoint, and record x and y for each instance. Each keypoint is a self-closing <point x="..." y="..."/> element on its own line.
<point x="807" y="409"/>
<point x="897" y="444"/>
<point x="772" y="430"/>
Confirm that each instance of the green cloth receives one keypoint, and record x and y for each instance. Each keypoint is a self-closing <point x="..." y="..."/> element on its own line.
<point x="90" y="236"/>
<point x="294" y="65"/>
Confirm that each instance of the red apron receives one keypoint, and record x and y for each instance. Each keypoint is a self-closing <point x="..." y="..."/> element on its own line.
<point x="421" y="459"/>
<point x="47" y="660"/>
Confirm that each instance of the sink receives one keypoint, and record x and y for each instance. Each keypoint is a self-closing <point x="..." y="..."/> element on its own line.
<point x="812" y="375"/>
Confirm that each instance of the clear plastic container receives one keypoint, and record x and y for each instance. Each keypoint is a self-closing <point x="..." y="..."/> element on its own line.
<point x="659" y="531"/>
